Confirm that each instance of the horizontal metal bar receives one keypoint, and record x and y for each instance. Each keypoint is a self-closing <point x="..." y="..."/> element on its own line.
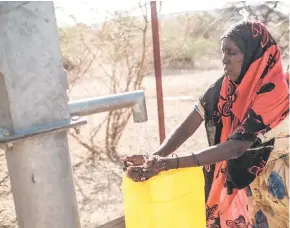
<point x="43" y="129"/>
<point x="135" y="99"/>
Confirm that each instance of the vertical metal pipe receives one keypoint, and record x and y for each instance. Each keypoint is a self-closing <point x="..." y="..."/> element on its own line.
<point x="157" y="65"/>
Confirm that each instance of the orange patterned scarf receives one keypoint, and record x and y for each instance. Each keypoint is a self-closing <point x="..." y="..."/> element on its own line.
<point x="254" y="104"/>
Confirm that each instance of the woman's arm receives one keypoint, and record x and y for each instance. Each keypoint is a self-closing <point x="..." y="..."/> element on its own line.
<point x="224" y="151"/>
<point x="230" y="149"/>
<point x="175" y="139"/>
<point x="180" y="134"/>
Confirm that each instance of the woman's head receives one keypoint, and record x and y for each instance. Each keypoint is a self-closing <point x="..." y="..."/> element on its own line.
<point x="242" y="45"/>
<point x="232" y="58"/>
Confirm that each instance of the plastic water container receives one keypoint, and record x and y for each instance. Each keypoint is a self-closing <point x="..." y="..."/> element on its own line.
<point x="172" y="199"/>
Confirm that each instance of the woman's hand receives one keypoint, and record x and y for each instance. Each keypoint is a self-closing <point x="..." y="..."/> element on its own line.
<point x="134" y="160"/>
<point x="152" y="167"/>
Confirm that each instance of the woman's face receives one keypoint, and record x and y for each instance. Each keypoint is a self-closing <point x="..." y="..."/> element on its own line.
<point x="232" y="59"/>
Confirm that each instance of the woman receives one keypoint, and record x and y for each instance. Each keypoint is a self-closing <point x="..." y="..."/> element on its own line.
<point x="244" y="112"/>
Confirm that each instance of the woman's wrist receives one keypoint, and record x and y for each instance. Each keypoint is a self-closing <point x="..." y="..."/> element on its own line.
<point x="182" y="161"/>
<point x="175" y="162"/>
<point x="169" y="163"/>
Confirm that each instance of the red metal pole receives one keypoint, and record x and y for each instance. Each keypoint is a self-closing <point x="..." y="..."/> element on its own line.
<point x="157" y="65"/>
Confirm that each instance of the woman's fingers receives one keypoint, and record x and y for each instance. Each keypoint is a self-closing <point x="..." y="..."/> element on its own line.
<point x="139" y="173"/>
<point x="134" y="172"/>
<point x="135" y="160"/>
<point x="139" y="169"/>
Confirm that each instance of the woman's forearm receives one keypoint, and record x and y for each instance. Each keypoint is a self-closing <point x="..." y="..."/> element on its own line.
<point x="224" y="151"/>
<point x="178" y="136"/>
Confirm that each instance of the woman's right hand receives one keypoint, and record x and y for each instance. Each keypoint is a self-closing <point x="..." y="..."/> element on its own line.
<point x="152" y="167"/>
<point x="133" y="160"/>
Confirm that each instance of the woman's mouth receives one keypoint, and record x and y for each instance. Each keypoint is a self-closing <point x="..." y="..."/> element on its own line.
<point x="226" y="69"/>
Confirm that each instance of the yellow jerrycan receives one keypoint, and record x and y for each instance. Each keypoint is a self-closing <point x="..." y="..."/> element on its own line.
<point x="172" y="199"/>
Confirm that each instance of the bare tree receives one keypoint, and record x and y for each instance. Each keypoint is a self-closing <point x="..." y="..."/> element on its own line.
<point x="118" y="48"/>
<point x="124" y="54"/>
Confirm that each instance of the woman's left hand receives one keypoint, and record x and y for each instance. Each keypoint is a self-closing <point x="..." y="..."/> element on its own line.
<point x="152" y="167"/>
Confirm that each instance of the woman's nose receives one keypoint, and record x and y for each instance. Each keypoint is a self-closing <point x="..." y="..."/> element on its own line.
<point x="225" y="59"/>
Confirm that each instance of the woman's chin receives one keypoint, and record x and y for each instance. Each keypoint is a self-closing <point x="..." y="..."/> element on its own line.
<point x="231" y="77"/>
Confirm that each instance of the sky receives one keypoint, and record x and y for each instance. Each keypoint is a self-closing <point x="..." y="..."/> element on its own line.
<point x="93" y="11"/>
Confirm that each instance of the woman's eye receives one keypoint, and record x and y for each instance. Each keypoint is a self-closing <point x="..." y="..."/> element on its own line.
<point x="231" y="53"/>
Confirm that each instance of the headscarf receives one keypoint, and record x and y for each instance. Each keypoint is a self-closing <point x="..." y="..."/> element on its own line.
<point x="253" y="104"/>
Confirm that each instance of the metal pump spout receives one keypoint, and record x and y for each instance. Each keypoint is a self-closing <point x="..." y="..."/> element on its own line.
<point x="90" y="106"/>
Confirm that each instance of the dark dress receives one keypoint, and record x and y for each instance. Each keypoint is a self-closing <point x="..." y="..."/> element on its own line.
<point x="237" y="174"/>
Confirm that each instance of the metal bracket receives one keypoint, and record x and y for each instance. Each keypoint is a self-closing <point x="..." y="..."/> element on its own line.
<point x="8" y="138"/>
